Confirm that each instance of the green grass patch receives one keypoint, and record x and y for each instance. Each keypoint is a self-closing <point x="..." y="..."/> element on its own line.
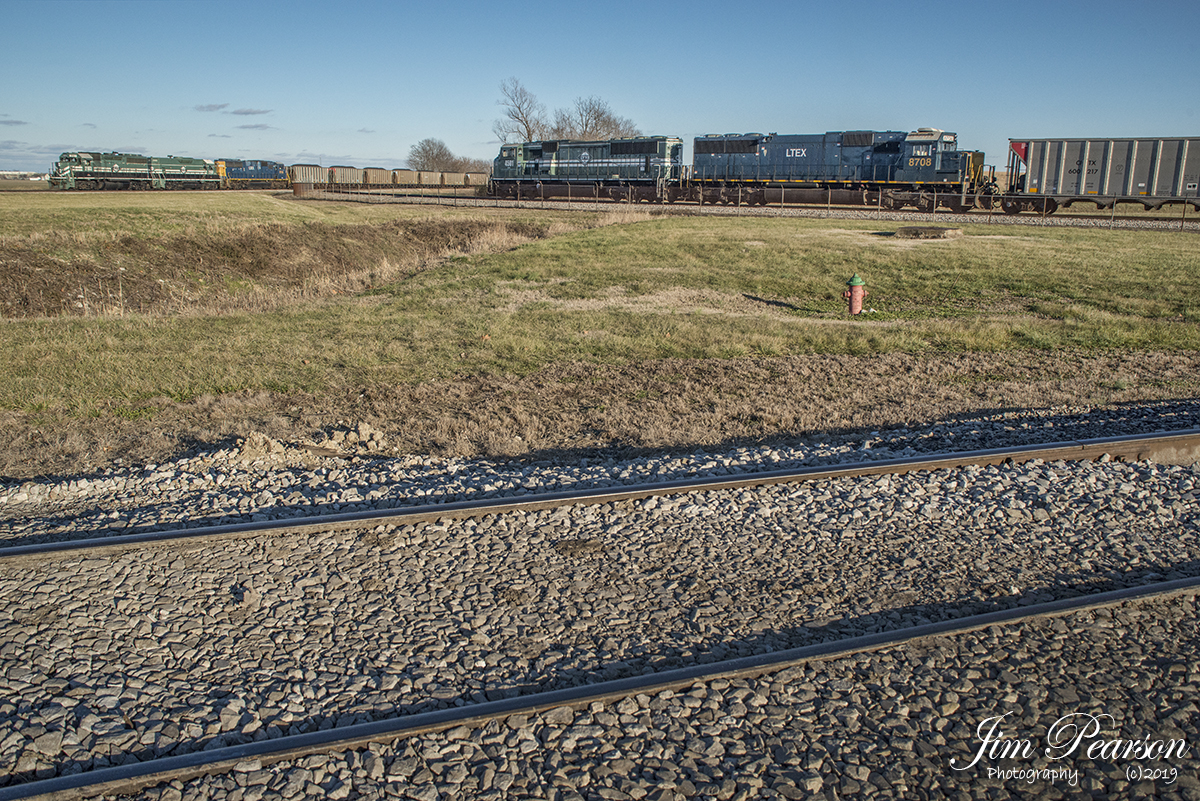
<point x="656" y="288"/>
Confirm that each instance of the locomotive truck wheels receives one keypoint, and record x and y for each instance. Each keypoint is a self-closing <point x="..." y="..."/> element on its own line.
<point x="1011" y="206"/>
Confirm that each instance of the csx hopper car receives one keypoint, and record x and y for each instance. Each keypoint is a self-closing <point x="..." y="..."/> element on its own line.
<point x="1047" y="173"/>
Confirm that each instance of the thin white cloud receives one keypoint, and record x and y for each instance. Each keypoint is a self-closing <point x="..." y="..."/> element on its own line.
<point x="212" y="107"/>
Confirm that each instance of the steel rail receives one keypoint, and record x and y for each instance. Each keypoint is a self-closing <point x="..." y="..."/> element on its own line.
<point x="131" y="778"/>
<point x="1175" y="447"/>
<point x="692" y="208"/>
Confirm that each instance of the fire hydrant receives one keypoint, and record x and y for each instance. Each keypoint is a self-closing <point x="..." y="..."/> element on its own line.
<point x="855" y="294"/>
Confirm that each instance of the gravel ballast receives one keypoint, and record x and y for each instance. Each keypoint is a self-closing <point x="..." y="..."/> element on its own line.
<point x="176" y="648"/>
<point x="264" y="479"/>
<point x="904" y="722"/>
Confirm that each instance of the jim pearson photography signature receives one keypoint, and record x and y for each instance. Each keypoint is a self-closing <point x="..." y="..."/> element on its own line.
<point x="1077" y="734"/>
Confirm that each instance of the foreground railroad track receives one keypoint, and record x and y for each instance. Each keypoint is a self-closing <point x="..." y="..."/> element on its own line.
<point x="563" y="724"/>
<point x="139" y="650"/>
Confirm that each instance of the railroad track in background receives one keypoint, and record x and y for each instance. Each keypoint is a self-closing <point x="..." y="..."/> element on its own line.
<point x="1171" y="447"/>
<point x="1189" y="221"/>
<point x="128" y="779"/>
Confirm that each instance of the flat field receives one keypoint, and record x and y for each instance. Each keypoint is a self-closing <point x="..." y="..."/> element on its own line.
<point x="139" y="325"/>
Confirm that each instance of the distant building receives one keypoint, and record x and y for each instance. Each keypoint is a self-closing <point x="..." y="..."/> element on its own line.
<point x="17" y="175"/>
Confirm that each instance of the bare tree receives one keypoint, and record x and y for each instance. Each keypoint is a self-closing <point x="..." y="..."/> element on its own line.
<point x="433" y="155"/>
<point x="524" y="117"/>
<point x="591" y="118"/>
<point x="474" y="165"/>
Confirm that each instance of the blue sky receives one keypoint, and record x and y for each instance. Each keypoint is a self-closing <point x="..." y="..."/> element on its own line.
<point x="359" y="82"/>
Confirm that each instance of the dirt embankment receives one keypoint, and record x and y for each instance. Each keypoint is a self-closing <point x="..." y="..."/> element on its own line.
<point x="564" y="412"/>
<point x="205" y="270"/>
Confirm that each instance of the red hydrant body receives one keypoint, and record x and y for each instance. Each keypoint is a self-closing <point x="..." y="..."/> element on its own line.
<point x="855" y="294"/>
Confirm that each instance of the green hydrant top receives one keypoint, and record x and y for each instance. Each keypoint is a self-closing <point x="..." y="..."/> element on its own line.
<point x="856" y="281"/>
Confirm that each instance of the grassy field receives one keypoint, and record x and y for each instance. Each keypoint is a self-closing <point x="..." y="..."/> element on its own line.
<point x="415" y="296"/>
<point x="154" y="214"/>
<point x="216" y="252"/>
<point x="652" y="288"/>
<point x="13" y="185"/>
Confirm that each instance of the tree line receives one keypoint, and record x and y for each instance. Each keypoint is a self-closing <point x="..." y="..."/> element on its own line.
<point x="524" y="119"/>
<point x="434" y="156"/>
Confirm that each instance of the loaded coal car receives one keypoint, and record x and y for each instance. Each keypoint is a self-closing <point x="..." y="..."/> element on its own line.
<point x="889" y="169"/>
<point x="1047" y="173"/>
<point x="308" y="178"/>
<point x="132" y="171"/>
<point x="241" y="174"/>
<point x="313" y="174"/>
<point x="406" y="177"/>
<point x="377" y="178"/>
<point x="641" y="168"/>
<point x="344" y="178"/>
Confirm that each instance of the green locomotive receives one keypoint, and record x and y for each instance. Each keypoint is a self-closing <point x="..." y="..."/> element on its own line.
<point x="640" y="168"/>
<point x="132" y="171"/>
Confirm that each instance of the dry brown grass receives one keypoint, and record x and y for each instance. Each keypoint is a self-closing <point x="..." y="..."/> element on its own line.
<point x="222" y="267"/>
<point x="664" y="334"/>
<point x="568" y="411"/>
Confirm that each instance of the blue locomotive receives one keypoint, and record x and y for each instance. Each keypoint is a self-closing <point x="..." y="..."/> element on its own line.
<point x="888" y="169"/>
<point x="253" y="174"/>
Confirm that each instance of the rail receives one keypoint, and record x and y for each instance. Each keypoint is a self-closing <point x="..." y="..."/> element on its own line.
<point x="1176" y="447"/>
<point x="131" y="778"/>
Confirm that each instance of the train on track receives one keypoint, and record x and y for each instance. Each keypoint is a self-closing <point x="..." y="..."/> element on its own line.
<point x="132" y="171"/>
<point x="117" y="171"/>
<point x="922" y="169"/>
